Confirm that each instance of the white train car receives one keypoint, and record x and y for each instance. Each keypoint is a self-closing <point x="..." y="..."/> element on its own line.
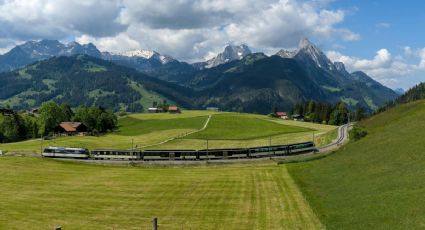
<point x="62" y="152"/>
<point x="115" y="154"/>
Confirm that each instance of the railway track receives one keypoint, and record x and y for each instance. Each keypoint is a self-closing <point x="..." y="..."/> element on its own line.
<point x="342" y="137"/>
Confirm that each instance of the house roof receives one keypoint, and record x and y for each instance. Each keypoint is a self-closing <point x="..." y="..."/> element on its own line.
<point x="70" y="126"/>
<point x="173" y="108"/>
<point x="281" y="113"/>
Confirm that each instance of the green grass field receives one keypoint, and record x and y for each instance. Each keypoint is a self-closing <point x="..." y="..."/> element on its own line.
<point x="139" y="130"/>
<point x="377" y="182"/>
<point x="41" y="193"/>
<point x="130" y="126"/>
<point x="237" y="127"/>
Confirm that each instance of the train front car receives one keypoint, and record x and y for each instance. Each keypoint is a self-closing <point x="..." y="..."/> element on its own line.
<point x="63" y="152"/>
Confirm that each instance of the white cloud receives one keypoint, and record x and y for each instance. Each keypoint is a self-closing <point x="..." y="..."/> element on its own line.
<point x="38" y="19"/>
<point x="186" y="29"/>
<point x="383" y="25"/>
<point x="385" y="68"/>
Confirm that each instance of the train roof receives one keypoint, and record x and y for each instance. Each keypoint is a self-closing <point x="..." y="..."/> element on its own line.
<point x="66" y="148"/>
<point x="169" y="150"/>
<point x="115" y="150"/>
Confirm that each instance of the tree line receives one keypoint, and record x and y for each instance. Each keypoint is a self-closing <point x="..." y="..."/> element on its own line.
<point x="325" y="113"/>
<point x="415" y="93"/>
<point x="21" y="126"/>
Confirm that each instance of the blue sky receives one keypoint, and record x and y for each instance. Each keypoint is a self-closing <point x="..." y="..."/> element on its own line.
<point x="385" y="39"/>
<point x="391" y="25"/>
<point x="383" y="24"/>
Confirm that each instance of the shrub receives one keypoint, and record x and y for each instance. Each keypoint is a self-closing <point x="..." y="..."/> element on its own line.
<point x="357" y="132"/>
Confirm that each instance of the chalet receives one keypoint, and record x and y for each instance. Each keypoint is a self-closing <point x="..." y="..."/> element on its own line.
<point x="174" y="109"/>
<point x="282" y="115"/>
<point x="298" y="117"/>
<point x="71" y="129"/>
<point x="155" y="110"/>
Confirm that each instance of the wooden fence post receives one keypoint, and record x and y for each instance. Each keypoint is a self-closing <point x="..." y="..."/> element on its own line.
<point x="155" y="223"/>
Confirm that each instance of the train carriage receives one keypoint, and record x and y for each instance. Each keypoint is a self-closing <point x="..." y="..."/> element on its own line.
<point x="302" y="147"/>
<point x="264" y="151"/>
<point x="170" y="155"/>
<point x="115" y="154"/>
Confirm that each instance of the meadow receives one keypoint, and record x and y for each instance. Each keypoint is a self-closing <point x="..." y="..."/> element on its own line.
<point x="225" y="130"/>
<point x="376" y="182"/>
<point x="237" y="127"/>
<point x="41" y="193"/>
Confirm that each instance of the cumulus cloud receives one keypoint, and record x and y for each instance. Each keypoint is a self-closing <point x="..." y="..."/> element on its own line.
<point x="385" y="67"/>
<point x="186" y="29"/>
<point x="38" y="19"/>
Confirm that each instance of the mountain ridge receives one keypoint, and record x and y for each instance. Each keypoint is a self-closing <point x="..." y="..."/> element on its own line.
<point x="238" y="84"/>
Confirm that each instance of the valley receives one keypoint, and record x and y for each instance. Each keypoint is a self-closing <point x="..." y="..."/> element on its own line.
<point x="225" y="130"/>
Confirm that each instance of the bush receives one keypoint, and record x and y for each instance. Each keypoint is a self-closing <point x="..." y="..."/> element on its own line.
<point x="357" y="133"/>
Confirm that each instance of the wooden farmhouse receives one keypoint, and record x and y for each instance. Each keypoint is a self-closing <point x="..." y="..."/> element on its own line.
<point x="71" y="129"/>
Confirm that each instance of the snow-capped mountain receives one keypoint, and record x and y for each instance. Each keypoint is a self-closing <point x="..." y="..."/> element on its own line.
<point x="144" y="54"/>
<point x="33" y="51"/>
<point x="230" y="53"/>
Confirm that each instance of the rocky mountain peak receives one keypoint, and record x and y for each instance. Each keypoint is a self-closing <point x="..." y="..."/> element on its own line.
<point x="230" y="53"/>
<point x="308" y="53"/>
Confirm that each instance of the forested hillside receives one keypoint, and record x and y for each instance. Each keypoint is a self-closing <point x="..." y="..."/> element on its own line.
<point x="84" y="80"/>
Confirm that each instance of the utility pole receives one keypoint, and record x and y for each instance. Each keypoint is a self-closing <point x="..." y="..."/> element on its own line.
<point x="41" y="145"/>
<point x="270" y="144"/>
<point x="348" y="118"/>
<point x="207" y="150"/>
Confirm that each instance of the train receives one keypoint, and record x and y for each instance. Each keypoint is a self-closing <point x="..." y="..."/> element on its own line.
<point x="204" y="154"/>
<point x="62" y="152"/>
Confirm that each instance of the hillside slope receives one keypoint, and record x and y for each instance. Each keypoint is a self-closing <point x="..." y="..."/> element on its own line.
<point x="85" y="80"/>
<point x="257" y="83"/>
<point x="377" y="182"/>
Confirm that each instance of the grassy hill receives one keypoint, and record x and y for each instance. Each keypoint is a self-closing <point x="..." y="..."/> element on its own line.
<point x="237" y="127"/>
<point x="376" y="182"/>
<point x="42" y="193"/>
<point x="84" y="80"/>
<point x="237" y="130"/>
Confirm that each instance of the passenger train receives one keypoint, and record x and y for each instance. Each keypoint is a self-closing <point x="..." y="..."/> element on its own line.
<point x="205" y="154"/>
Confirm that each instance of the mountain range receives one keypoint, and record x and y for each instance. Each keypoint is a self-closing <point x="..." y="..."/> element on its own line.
<point x="234" y="80"/>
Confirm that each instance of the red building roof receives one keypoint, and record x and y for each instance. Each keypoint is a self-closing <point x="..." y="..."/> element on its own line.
<point x="70" y="126"/>
<point x="173" y="108"/>
<point x="281" y="114"/>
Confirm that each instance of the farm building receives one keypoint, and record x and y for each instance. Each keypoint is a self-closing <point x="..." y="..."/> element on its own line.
<point x="155" y="110"/>
<point x="282" y="115"/>
<point x="174" y="109"/>
<point x="71" y="129"/>
<point x="298" y="117"/>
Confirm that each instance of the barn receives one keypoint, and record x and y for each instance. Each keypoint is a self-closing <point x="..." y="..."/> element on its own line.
<point x="71" y="129"/>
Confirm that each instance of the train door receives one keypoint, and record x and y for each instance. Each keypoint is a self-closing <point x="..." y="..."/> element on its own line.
<point x="172" y="156"/>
